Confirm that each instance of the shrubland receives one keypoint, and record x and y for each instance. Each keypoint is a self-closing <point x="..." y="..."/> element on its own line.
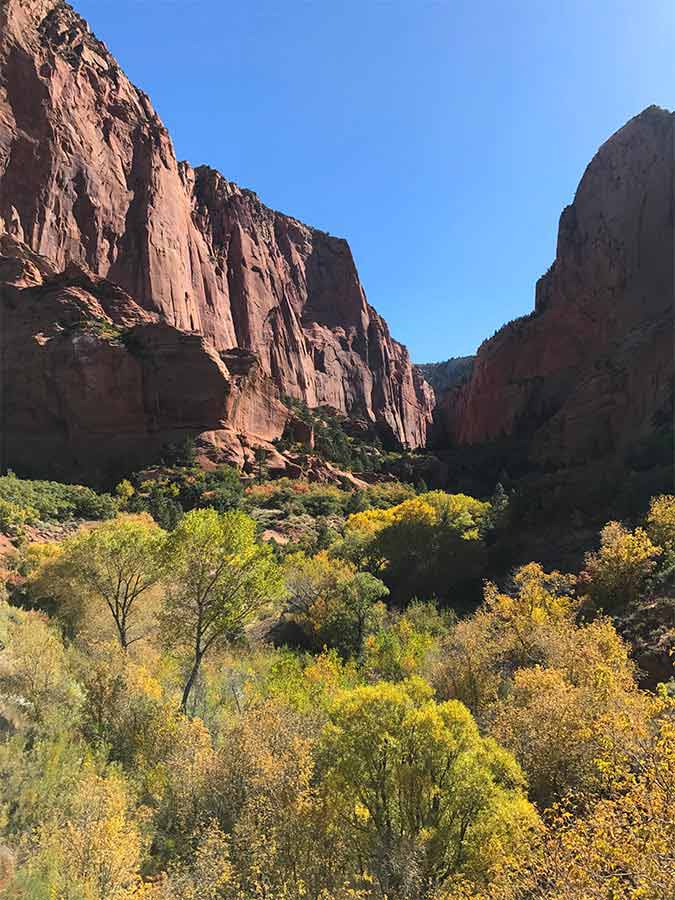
<point x="195" y="706"/>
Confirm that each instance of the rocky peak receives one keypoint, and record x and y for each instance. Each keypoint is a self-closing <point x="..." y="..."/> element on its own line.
<point x="589" y="373"/>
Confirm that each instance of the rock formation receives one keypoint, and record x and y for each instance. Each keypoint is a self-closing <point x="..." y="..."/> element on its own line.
<point x="94" y="386"/>
<point x="88" y="176"/>
<point x="588" y="375"/>
<point x="208" y="307"/>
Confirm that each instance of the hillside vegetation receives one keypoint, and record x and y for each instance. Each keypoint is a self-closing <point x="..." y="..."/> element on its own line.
<point x="216" y="689"/>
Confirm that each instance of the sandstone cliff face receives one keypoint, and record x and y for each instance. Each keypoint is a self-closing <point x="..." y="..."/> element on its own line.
<point x="590" y="371"/>
<point x="88" y="175"/>
<point x="93" y="385"/>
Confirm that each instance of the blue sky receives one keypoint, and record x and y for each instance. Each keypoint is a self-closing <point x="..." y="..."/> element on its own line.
<point x="442" y="138"/>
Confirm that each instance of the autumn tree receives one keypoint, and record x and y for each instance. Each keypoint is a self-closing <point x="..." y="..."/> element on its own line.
<point x="311" y="580"/>
<point x="508" y="631"/>
<point x="561" y="696"/>
<point x="286" y="842"/>
<point x="425" y="546"/>
<point x="127" y="708"/>
<point x="396" y="651"/>
<point x="576" y="726"/>
<point x="422" y="795"/>
<point x="91" y="847"/>
<point x="34" y="679"/>
<point x="117" y="563"/>
<point x="538" y="598"/>
<point x="660" y="522"/>
<point x="614" y="575"/>
<point x="219" y="577"/>
<point x="203" y="874"/>
<point x="660" y="527"/>
<point x="334" y="604"/>
<point x="621" y="848"/>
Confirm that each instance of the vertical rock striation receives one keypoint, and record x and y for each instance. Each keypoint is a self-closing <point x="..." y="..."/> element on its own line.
<point x="88" y="175"/>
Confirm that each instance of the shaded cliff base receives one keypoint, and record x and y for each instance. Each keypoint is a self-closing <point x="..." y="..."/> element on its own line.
<point x="556" y="510"/>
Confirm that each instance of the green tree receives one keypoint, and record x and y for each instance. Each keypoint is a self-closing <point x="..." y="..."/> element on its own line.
<point x="219" y="577"/>
<point x="334" y="604"/>
<point x="223" y="489"/>
<point x="361" y="595"/>
<point x="117" y="563"/>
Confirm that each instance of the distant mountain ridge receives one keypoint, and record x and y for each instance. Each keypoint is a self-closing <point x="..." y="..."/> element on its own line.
<point x="447" y="374"/>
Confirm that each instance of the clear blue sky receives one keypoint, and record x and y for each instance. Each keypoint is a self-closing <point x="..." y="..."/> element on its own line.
<point x="440" y="137"/>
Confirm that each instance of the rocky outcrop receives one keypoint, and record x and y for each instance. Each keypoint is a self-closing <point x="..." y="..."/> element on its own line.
<point x="92" y="385"/>
<point x="589" y="373"/>
<point x="88" y="175"/>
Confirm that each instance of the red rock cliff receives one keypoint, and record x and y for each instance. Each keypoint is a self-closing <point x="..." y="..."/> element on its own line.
<point x="88" y="175"/>
<point x="589" y="372"/>
<point x="92" y="386"/>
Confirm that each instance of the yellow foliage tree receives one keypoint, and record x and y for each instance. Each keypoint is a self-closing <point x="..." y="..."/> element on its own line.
<point x="622" y="849"/>
<point x="91" y="849"/>
<point x="508" y="631"/>
<point x="562" y="697"/>
<point x="614" y="575"/>
<point x="539" y="598"/>
<point x="220" y="577"/>
<point x="572" y="739"/>
<point x="335" y="605"/>
<point x="34" y="677"/>
<point x="117" y="563"/>
<point x="660" y="522"/>
<point x="286" y="843"/>
<point x="423" y="546"/>
<point x="422" y="796"/>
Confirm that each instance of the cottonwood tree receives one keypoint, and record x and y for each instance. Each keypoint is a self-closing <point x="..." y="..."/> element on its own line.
<point x="219" y="577"/>
<point x="615" y="574"/>
<point x="117" y="563"/>
<point x="428" y="545"/>
<point x="660" y="522"/>
<point x="93" y="846"/>
<point x="622" y="847"/>
<point x="423" y="797"/>
<point x="335" y="605"/>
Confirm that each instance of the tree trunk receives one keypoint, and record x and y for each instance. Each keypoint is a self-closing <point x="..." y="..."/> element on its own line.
<point x="189" y="684"/>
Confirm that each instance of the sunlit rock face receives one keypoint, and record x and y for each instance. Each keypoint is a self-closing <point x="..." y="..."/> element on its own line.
<point x="94" y="386"/>
<point x="88" y="175"/>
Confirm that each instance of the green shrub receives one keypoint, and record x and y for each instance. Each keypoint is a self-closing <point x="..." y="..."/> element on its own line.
<point x="13" y="517"/>
<point x="52" y="500"/>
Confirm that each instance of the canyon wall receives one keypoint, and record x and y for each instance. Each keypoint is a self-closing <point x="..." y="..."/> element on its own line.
<point x="88" y="176"/>
<point x="588" y="375"/>
<point x="264" y="306"/>
<point x="94" y="386"/>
